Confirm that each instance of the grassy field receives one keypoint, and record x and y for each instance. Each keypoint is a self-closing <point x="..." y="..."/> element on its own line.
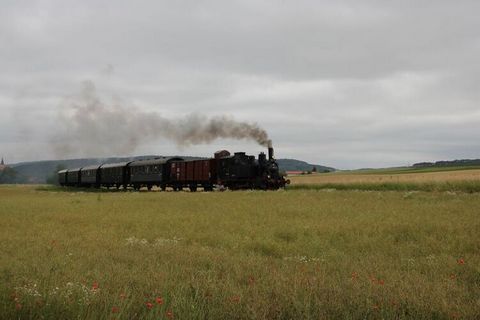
<point x="404" y="170"/>
<point x="299" y="254"/>
<point x="403" y="179"/>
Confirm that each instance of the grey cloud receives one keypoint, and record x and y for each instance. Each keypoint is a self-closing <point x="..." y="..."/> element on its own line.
<point x="345" y="83"/>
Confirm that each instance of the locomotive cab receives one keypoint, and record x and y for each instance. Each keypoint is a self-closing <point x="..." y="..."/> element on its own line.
<point x="269" y="172"/>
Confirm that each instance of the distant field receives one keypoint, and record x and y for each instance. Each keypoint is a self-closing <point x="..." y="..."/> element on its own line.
<point x="404" y="170"/>
<point x="298" y="254"/>
<point x="390" y="175"/>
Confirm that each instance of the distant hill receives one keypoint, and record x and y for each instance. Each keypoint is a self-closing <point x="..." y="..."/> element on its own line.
<point x="298" y="165"/>
<point x="39" y="171"/>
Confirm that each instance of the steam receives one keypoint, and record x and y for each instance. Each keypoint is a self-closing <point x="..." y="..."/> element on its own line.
<point x="91" y="127"/>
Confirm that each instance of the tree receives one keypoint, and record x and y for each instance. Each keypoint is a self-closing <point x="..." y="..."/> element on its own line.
<point x="8" y="175"/>
<point x="314" y="169"/>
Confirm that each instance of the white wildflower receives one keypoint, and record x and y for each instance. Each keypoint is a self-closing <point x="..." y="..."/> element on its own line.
<point x="28" y="290"/>
<point x="304" y="259"/>
<point x="163" y="241"/>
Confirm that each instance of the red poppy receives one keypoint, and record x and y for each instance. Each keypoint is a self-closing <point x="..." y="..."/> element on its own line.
<point x="115" y="309"/>
<point x="169" y="314"/>
<point x="149" y="305"/>
<point x="95" y="286"/>
<point x="381" y="282"/>
<point x="159" y="300"/>
<point x="18" y="306"/>
<point x="461" y="261"/>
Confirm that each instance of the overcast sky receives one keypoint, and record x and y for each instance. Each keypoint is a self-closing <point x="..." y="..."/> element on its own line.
<point x="347" y="84"/>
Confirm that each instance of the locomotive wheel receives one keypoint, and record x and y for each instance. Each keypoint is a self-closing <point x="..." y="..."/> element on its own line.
<point x="163" y="187"/>
<point x="193" y="188"/>
<point x="149" y="187"/>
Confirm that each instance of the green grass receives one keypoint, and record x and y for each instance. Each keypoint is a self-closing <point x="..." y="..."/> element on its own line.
<point x="296" y="254"/>
<point x="452" y="186"/>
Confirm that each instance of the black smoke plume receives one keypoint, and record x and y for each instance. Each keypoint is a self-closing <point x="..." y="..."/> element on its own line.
<point x="92" y="127"/>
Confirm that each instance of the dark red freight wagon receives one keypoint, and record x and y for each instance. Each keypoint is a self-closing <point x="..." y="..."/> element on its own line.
<point x="192" y="174"/>
<point x="178" y="175"/>
<point x="204" y="174"/>
<point x="202" y="171"/>
<point x="190" y="170"/>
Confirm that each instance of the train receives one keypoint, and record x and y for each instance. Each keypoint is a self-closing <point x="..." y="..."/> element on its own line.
<point x="223" y="171"/>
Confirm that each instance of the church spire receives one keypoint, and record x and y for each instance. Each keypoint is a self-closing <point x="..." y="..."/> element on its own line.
<point x="2" y="163"/>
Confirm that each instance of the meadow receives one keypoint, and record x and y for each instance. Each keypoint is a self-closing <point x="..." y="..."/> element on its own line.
<point x="289" y="254"/>
<point x="406" y="175"/>
<point x="456" y="179"/>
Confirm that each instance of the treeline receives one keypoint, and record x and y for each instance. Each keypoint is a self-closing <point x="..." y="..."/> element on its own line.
<point x="452" y="163"/>
<point x="9" y="175"/>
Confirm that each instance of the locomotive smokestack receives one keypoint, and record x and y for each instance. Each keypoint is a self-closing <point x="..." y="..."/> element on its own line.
<point x="270" y="150"/>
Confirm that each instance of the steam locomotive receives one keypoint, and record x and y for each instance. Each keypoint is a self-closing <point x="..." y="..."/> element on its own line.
<point x="237" y="171"/>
